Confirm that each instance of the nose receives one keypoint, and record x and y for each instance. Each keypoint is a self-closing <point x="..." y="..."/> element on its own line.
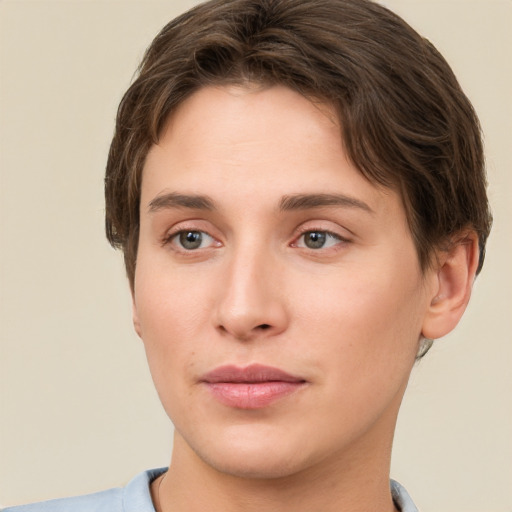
<point x="252" y="302"/>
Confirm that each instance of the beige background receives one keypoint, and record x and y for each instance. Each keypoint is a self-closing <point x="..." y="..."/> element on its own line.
<point x="78" y="411"/>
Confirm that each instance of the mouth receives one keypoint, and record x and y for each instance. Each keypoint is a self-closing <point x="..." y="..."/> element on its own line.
<point x="252" y="387"/>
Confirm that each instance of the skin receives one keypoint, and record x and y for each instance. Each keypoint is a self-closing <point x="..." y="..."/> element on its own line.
<point x="346" y="316"/>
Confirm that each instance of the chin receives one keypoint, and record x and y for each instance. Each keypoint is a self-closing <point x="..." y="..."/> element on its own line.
<point x="256" y="456"/>
<point x="258" y="467"/>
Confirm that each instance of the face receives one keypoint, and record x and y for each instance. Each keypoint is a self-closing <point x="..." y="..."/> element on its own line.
<point x="277" y="292"/>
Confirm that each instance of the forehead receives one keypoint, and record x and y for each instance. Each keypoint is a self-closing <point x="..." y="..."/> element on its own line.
<point x="253" y="141"/>
<point x="239" y="116"/>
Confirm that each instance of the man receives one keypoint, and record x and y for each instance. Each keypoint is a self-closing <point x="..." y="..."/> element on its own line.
<point x="298" y="189"/>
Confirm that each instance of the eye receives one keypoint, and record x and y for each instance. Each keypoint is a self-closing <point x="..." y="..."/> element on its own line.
<point x="191" y="240"/>
<point x="317" y="239"/>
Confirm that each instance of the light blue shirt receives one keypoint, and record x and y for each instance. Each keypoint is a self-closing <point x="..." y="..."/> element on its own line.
<point x="136" y="497"/>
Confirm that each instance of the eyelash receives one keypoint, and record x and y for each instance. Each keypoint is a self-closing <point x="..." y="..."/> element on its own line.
<point x="336" y="236"/>
<point x="171" y="237"/>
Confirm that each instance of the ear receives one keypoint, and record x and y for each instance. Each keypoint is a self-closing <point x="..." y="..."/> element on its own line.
<point x="453" y="282"/>
<point x="135" y="318"/>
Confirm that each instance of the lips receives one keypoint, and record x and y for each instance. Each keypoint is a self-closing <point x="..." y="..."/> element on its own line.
<point x="252" y="387"/>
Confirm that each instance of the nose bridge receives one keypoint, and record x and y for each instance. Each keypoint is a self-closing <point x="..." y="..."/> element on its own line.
<point x="251" y="301"/>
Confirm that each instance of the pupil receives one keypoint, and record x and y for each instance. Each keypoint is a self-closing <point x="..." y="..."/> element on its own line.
<point x="315" y="239"/>
<point x="191" y="239"/>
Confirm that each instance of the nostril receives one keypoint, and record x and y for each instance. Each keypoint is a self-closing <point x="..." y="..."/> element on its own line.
<point x="263" y="326"/>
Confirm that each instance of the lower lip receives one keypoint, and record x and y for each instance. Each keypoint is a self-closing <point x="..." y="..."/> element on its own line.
<point x="244" y="395"/>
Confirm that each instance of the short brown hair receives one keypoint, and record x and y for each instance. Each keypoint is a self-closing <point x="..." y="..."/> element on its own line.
<point x="405" y="121"/>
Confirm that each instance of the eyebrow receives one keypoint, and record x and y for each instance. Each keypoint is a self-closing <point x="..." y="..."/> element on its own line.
<point x="175" y="200"/>
<point x="287" y="203"/>
<point x="307" y="201"/>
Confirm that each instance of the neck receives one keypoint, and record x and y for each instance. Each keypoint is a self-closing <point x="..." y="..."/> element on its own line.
<point x="348" y="482"/>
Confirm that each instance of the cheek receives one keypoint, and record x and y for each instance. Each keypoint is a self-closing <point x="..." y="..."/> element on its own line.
<point x="362" y="341"/>
<point x="366" y="319"/>
<point x="170" y="316"/>
<point x="170" y="359"/>
<point x="168" y="301"/>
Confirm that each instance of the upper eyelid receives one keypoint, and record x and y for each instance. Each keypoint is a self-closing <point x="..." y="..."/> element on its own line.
<point x="306" y="228"/>
<point x="172" y="233"/>
<point x="336" y="236"/>
<point x="189" y="225"/>
<point x="206" y="227"/>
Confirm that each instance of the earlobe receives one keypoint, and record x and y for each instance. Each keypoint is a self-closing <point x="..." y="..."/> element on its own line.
<point x="453" y="284"/>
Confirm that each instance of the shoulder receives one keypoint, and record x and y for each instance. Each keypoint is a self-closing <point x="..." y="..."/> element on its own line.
<point x="401" y="498"/>
<point x="110" y="500"/>
<point x="135" y="497"/>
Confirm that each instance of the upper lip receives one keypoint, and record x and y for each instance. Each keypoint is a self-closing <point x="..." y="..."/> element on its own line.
<point x="249" y="374"/>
